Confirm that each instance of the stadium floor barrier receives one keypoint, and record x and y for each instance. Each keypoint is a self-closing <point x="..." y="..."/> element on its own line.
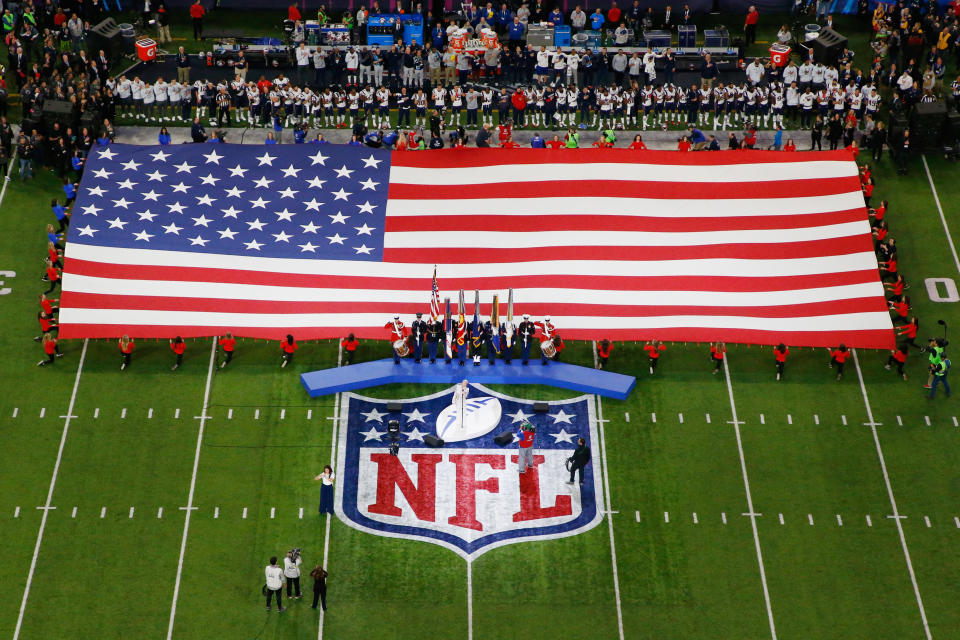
<point x="379" y="372"/>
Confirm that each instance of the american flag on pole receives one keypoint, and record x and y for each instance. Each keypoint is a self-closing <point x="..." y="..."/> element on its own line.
<point x="434" y="298"/>
<point x="199" y="239"/>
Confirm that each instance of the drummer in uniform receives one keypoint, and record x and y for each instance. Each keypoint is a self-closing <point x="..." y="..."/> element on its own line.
<point x="434" y="336"/>
<point x="508" y="334"/>
<point x="397" y="330"/>
<point x="547" y="329"/>
<point x="418" y="331"/>
<point x="527" y="332"/>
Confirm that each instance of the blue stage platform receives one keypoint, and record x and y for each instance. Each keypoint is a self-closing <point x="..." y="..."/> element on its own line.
<point x="556" y="374"/>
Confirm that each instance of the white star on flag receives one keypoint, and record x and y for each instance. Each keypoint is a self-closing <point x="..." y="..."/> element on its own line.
<point x="366" y="207"/>
<point x="291" y="171"/>
<point x="237" y="171"/>
<point x="106" y="153"/>
<point x="231" y="212"/>
<point x="364" y="230"/>
<point x="563" y="436"/>
<point x="414" y="434"/>
<point x="266" y="158"/>
<point x="371" y="162"/>
<point x="308" y="247"/>
<point x="259" y="202"/>
<point x="519" y="416"/>
<point x="146" y="215"/>
<point x="210" y="179"/>
<point x="313" y="205"/>
<point x="562" y="416"/>
<point x="156" y="176"/>
<point x="181" y="187"/>
<point x="233" y="192"/>
<point x="227" y="233"/>
<point x="369" y="184"/>
<point x="372" y="434"/>
<point x="416" y="416"/>
<point x="287" y="193"/>
<point x="316" y="182"/>
<point x="122" y="202"/>
<point x="343" y="172"/>
<point x="96" y="191"/>
<point x="151" y="195"/>
<point x="143" y="235"/>
<point x="176" y="206"/>
<point x="339" y="217"/>
<point x="256" y="224"/>
<point x="253" y="245"/>
<point x="201" y="221"/>
<point x="126" y="184"/>
<point x="87" y="231"/>
<point x="91" y="209"/>
<point x="172" y="228"/>
<point x="160" y="156"/>
<point x="341" y="195"/>
<point x="213" y="157"/>
<point x="283" y="236"/>
<point x="309" y="227"/>
<point x="184" y="167"/>
<point x="262" y="183"/>
<point x="205" y="199"/>
<point x="102" y="173"/>
<point x="319" y="159"/>
<point x="336" y="239"/>
<point x="286" y="214"/>
<point x="373" y="415"/>
<point x="130" y="165"/>
<point x="116" y="223"/>
<point x="364" y="249"/>
<point x="199" y="240"/>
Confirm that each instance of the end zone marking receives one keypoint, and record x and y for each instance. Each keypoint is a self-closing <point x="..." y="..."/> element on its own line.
<point x="869" y="521"/>
<point x="780" y="517"/>
<point x="695" y="520"/>
<point x="926" y="520"/>
<point x="810" y="519"/>
<point x="839" y="520"/>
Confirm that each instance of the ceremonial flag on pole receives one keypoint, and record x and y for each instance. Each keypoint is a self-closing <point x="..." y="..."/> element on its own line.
<point x="448" y="329"/>
<point x="495" y="323"/>
<point x="461" y="325"/>
<point x="195" y="240"/>
<point x="476" y="332"/>
<point x="435" y="298"/>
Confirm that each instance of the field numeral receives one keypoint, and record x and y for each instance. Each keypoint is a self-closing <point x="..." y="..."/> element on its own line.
<point x="6" y="274"/>
<point x="950" y="290"/>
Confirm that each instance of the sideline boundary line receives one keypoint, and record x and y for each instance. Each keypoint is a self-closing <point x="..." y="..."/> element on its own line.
<point x="193" y="485"/>
<point x="333" y="461"/>
<point x="53" y="483"/>
<point x="609" y="508"/>
<point x="943" y="219"/>
<point x="896" y="517"/>
<point x="751" y="513"/>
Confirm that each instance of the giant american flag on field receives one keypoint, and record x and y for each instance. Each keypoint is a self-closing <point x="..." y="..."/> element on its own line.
<point x="321" y="240"/>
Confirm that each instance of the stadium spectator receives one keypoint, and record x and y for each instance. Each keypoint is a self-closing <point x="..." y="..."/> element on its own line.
<point x="178" y="346"/>
<point x="196" y="15"/>
<point x="126" y="345"/>
<point x="750" y="26"/>
<point x="227" y="342"/>
<point x="287" y="347"/>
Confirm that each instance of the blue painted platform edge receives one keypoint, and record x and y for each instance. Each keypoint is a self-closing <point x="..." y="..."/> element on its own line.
<point x="379" y="372"/>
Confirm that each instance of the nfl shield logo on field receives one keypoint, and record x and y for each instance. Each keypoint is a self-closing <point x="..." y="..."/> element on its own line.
<point x="468" y="495"/>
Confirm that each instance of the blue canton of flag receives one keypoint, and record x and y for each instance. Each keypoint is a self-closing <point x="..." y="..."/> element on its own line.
<point x="277" y="202"/>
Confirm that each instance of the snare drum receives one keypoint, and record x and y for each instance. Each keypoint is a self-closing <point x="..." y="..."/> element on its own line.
<point x="547" y="348"/>
<point x="401" y="347"/>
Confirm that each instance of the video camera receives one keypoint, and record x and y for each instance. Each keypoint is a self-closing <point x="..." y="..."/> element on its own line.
<point x="294" y="553"/>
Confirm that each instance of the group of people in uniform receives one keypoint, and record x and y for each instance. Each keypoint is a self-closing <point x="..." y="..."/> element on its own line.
<point x="495" y="340"/>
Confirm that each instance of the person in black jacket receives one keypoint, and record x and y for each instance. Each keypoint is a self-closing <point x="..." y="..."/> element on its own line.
<point x="483" y="137"/>
<point x="579" y="459"/>
<point x="319" y="576"/>
<point x="835" y="131"/>
<point x="197" y="132"/>
<point x="434" y="335"/>
<point x="418" y="331"/>
<point x="876" y="140"/>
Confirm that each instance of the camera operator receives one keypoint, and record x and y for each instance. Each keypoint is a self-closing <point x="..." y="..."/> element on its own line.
<point x="291" y="571"/>
<point x="274" y="583"/>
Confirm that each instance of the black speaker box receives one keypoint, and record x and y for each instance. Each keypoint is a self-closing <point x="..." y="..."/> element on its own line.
<point x="828" y="46"/>
<point x="432" y="441"/>
<point x="541" y="407"/>
<point x="928" y="117"/>
<point x="32" y="123"/>
<point x="503" y="439"/>
<point x="951" y="127"/>
<point x="91" y="120"/>
<point x="394" y="407"/>
<point x="105" y="36"/>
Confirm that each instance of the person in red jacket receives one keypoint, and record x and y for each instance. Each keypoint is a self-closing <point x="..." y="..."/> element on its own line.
<point x="888" y="269"/>
<point x="638" y="144"/>
<point x="505" y="130"/>
<point x="398" y="333"/>
<point x="684" y="144"/>
<point x="51" y="349"/>
<point x="717" y="351"/>
<point x="519" y="102"/>
<point x="288" y="346"/>
<point x="750" y="138"/>
<point x="55" y="255"/>
<point x="48" y="324"/>
<point x="898" y="356"/>
<point x="509" y="144"/>
<point x="750" y="26"/>
<point x="654" y="348"/>
<point x="178" y="346"/>
<point x="556" y="143"/>
<point x="780" y="353"/>
<point x="878" y="213"/>
<point x="897" y="286"/>
<point x="349" y="345"/>
<point x="614" y="14"/>
<point x="901" y="308"/>
<point x="604" y="347"/>
<point x="790" y="146"/>
<point x="909" y="331"/>
<point x="126" y="350"/>
<point x="880" y="232"/>
<point x="53" y="277"/>
<point x="227" y="343"/>
<point x="49" y="306"/>
<point x="196" y="14"/>
<point x="868" y="191"/>
<point x="526" y="435"/>
<point x="293" y="14"/>
<point x="838" y="357"/>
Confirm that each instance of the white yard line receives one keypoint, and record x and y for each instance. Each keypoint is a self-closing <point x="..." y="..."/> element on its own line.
<point x="469" y="600"/>
<point x="609" y="507"/>
<point x="333" y="458"/>
<point x="13" y="161"/>
<point x="943" y="219"/>
<point x="751" y="513"/>
<point x="193" y="485"/>
<point x="53" y="484"/>
<point x="896" y="517"/>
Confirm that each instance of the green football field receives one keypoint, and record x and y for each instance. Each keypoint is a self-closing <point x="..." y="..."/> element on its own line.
<point x="145" y="503"/>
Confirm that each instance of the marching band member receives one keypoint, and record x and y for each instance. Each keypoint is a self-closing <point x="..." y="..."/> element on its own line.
<point x="527" y="332"/>
<point x="547" y="329"/>
<point x="435" y="334"/>
<point x="396" y="331"/>
<point x="418" y="331"/>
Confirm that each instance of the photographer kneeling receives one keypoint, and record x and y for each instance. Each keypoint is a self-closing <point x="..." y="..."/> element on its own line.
<point x="291" y="571"/>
